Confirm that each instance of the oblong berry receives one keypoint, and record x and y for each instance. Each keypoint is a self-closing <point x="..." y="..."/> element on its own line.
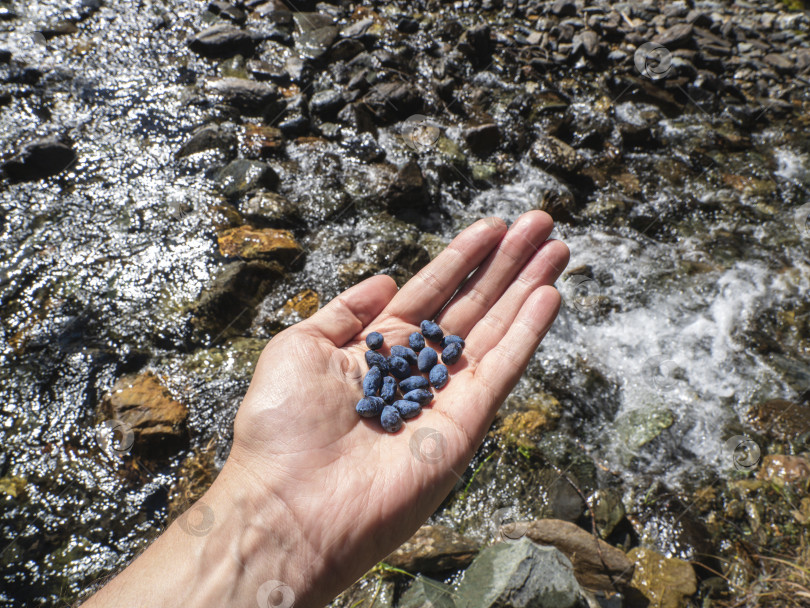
<point x="450" y="339"/>
<point x="399" y="367"/>
<point x="390" y="419"/>
<point x="452" y="353"/>
<point x="431" y="330"/>
<point x="404" y="352"/>
<point x="412" y="383"/>
<point x="372" y="382"/>
<point x="427" y="359"/>
<point x="439" y="375"/>
<point x="368" y="407"/>
<point x="375" y="359"/>
<point x="407" y="409"/>
<point x="416" y="341"/>
<point x="388" y="390"/>
<point x="421" y="395"/>
<point x="374" y="340"/>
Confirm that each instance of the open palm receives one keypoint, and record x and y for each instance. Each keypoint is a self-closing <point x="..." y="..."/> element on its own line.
<point x="352" y="491"/>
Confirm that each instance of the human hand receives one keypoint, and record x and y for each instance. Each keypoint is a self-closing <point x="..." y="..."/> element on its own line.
<point x="353" y="493"/>
<point x="312" y="495"/>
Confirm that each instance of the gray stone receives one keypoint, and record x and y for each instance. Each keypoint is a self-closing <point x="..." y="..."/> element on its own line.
<point x="241" y="176"/>
<point x="313" y="44"/>
<point x="249" y="97"/>
<point x="521" y="575"/>
<point x="221" y="42"/>
<point x="209" y="137"/>
<point x="675" y="36"/>
<point x="425" y="592"/>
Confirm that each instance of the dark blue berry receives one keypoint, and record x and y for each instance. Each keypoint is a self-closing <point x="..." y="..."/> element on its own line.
<point x="374" y="340"/>
<point x="439" y="376"/>
<point x="412" y="383"/>
<point x="390" y="419"/>
<point x="389" y="389"/>
<point x="452" y="353"/>
<point x="375" y="359"/>
<point x="416" y="341"/>
<point x="431" y="331"/>
<point x="399" y="367"/>
<point x="372" y="382"/>
<point x="450" y="339"/>
<point x="427" y="359"/>
<point x="368" y="407"/>
<point x="404" y="352"/>
<point x="421" y="395"/>
<point x="407" y="409"/>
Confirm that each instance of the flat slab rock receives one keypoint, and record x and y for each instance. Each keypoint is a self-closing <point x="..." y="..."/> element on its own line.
<point x="145" y="405"/>
<point x="271" y="243"/>
<point x="434" y="549"/>
<point x="519" y="574"/>
<point x="597" y="565"/>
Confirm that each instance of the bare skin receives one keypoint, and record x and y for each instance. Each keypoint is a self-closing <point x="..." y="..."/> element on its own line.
<point x="312" y="496"/>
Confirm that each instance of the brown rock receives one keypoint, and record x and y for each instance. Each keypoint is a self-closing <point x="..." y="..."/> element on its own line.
<point x="664" y="582"/>
<point x="261" y="141"/>
<point x="676" y="36"/>
<point x="597" y="565"/>
<point x="226" y="307"/>
<point x="270" y="243"/>
<point x="781" y="419"/>
<point x="301" y="306"/>
<point x="433" y="549"/>
<point x="784" y="468"/>
<point x="554" y="154"/>
<point x="147" y="408"/>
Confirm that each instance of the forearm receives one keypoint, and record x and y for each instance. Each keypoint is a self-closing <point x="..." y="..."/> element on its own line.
<point x="250" y="542"/>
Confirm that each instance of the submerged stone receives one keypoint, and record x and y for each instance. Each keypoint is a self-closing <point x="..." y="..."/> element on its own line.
<point x="519" y="574"/>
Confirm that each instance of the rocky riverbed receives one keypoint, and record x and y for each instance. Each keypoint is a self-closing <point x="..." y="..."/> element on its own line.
<point x="181" y="182"/>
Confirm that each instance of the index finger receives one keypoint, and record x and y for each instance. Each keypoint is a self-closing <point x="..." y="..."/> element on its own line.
<point x="427" y="292"/>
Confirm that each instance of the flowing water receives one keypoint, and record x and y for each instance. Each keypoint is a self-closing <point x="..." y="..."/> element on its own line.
<point x="100" y="263"/>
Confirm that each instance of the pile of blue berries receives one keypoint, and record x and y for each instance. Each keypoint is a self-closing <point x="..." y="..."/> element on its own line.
<point x="380" y="388"/>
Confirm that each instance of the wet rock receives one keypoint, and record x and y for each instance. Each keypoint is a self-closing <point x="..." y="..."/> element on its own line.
<point x="260" y="141"/>
<point x="221" y="42"/>
<point x="597" y="565"/>
<point x="483" y="139"/>
<point x="639" y="427"/>
<point x="147" y="408"/>
<point x="227" y="11"/>
<point x="249" y="97"/>
<point x="209" y="137"/>
<point x="38" y="160"/>
<point x="784" y="468"/>
<point x="663" y="582"/>
<point x="521" y="575"/>
<point x="586" y="42"/>
<point x="536" y="414"/>
<point x="392" y="101"/>
<point x="242" y="176"/>
<point x="784" y="420"/>
<point x="345" y="49"/>
<point x="432" y="550"/>
<point x="677" y="36"/>
<point x="564" y="8"/>
<point x="326" y="104"/>
<point x="5" y="55"/>
<point x="408" y="192"/>
<point x="270" y="208"/>
<point x="267" y="243"/>
<point x="226" y="307"/>
<point x="301" y="306"/>
<point x="195" y="475"/>
<point x="476" y="43"/>
<point x="315" y="43"/>
<point x="425" y="593"/>
<point x="13" y="486"/>
<point x="554" y="154"/>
